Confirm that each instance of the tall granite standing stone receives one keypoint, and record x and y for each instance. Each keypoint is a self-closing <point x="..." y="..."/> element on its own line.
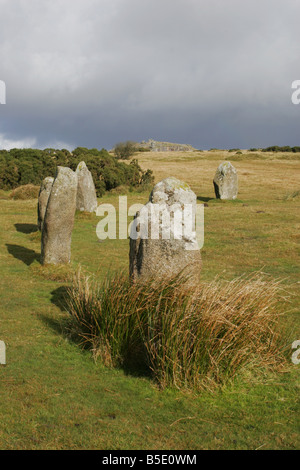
<point x="59" y="218"/>
<point x="86" y="192"/>
<point x="165" y="244"/>
<point x="44" y="194"/>
<point x="226" y="181"/>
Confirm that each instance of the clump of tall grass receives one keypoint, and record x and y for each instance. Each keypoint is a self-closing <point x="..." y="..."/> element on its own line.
<point x="28" y="191"/>
<point x="189" y="337"/>
<point x="103" y="316"/>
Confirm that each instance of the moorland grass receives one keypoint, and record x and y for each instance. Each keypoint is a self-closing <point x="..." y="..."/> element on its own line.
<point x="54" y="396"/>
<point x="191" y="336"/>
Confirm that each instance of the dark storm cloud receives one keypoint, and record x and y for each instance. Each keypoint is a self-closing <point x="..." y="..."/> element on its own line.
<point x="214" y="73"/>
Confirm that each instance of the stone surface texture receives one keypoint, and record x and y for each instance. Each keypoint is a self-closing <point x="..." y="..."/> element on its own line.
<point x="44" y="194"/>
<point x="59" y="218"/>
<point x="86" y="192"/>
<point x="226" y="181"/>
<point x="160" y="248"/>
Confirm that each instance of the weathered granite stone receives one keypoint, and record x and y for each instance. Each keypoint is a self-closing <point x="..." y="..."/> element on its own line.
<point x="226" y="181"/>
<point x="86" y="192"/>
<point x="59" y="218"/>
<point x="163" y="241"/>
<point x="44" y="194"/>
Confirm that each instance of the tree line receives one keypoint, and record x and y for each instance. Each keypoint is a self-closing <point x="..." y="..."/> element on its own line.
<point x="19" y="167"/>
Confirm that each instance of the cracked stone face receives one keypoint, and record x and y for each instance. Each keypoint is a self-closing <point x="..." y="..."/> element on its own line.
<point x="44" y="194"/>
<point x="226" y="181"/>
<point x="163" y="239"/>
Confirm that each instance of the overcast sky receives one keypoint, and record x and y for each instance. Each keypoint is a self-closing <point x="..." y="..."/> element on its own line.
<point x="210" y="73"/>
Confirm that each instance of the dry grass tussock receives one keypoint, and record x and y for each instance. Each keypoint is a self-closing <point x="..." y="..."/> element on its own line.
<point x="190" y="338"/>
<point x="28" y="191"/>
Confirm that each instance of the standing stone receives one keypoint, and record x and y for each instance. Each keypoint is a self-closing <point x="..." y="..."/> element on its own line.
<point x="44" y="194"/>
<point x="226" y="181"/>
<point x="59" y="218"/>
<point x="163" y="245"/>
<point x="86" y="192"/>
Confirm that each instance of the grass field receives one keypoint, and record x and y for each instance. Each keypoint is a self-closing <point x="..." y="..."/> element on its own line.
<point x="54" y="396"/>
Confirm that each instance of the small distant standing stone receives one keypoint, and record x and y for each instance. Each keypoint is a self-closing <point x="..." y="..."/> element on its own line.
<point x="166" y="255"/>
<point x="59" y="218"/>
<point x="86" y="192"/>
<point x="44" y="194"/>
<point x="226" y="181"/>
<point x="2" y="353"/>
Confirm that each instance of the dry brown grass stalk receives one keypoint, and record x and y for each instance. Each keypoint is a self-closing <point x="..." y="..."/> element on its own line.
<point x="190" y="337"/>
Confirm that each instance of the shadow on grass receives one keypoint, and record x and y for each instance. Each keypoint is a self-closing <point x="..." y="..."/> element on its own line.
<point x="26" y="228"/>
<point x="204" y="199"/>
<point x="216" y="200"/>
<point x="61" y="325"/>
<point x="59" y="297"/>
<point x="136" y="366"/>
<point x="135" y="362"/>
<point x="58" y="325"/>
<point x="23" y="254"/>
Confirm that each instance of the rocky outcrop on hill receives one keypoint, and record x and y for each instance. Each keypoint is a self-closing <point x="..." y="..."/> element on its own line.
<point x="155" y="146"/>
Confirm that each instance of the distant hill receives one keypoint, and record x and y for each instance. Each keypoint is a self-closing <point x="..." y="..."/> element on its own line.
<point x="155" y="146"/>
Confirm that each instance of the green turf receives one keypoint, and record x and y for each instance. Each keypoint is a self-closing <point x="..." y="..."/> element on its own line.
<point x="52" y="394"/>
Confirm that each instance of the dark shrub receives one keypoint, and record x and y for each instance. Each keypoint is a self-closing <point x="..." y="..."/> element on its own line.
<point x="19" y="167"/>
<point x="125" y="150"/>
